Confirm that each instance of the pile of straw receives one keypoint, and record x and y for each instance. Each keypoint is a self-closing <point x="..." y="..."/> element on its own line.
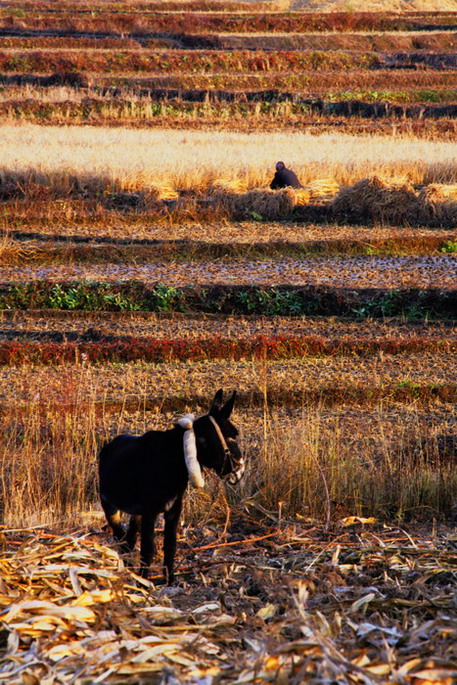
<point x="258" y="203"/>
<point x="439" y="203"/>
<point x="302" y="196"/>
<point x="235" y="185"/>
<point x="395" y="201"/>
<point x="232" y="197"/>
<point x="321" y="190"/>
<point x="160" y="193"/>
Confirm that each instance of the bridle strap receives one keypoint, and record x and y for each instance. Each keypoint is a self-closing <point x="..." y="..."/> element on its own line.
<point x="220" y="434"/>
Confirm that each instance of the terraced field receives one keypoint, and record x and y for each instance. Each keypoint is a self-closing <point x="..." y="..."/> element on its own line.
<point x="144" y="263"/>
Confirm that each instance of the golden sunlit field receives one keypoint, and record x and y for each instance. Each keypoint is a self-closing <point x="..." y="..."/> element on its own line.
<point x="145" y="262"/>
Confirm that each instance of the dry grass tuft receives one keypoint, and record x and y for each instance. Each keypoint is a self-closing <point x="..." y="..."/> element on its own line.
<point x="396" y="201"/>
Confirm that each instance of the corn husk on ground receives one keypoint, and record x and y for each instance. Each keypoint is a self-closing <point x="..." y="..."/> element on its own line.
<point x="365" y="604"/>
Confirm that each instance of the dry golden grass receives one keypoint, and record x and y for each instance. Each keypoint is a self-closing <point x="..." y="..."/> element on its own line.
<point x="104" y="159"/>
<point x="49" y="459"/>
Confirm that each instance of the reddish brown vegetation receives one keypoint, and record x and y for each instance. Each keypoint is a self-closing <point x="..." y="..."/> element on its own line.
<point x="189" y="22"/>
<point x="163" y="350"/>
<point x="182" y="61"/>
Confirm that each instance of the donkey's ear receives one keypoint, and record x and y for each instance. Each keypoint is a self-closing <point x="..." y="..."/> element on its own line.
<point x="217" y="402"/>
<point x="228" y="406"/>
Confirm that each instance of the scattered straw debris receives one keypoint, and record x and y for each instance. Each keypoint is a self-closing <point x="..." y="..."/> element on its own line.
<point x="363" y="604"/>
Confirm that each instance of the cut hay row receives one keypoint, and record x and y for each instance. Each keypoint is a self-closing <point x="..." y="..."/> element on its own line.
<point x="397" y="202"/>
<point x="371" y="200"/>
<point x="20" y="247"/>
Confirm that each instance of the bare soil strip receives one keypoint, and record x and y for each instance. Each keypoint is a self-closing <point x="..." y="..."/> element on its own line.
<point x="77" y="326"/>
<point x="342" y="272"/>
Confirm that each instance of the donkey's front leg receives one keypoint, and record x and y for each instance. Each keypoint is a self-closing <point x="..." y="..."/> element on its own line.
<point x="132" y="532"/>
<point x="113" y="516"/>
<point x="147" y="542"/>
<point x="169" y="540"/>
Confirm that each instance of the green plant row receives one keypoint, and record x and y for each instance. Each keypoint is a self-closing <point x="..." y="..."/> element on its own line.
<point x="285" y="300"/>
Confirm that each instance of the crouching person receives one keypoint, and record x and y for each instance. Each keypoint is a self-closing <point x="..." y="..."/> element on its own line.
<point x="284" y="178"/>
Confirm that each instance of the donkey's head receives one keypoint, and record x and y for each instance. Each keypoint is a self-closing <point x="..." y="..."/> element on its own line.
<point x="216" y="438"/>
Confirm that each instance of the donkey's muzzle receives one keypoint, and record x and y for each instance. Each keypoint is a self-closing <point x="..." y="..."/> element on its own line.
<point x="236" y="474"/>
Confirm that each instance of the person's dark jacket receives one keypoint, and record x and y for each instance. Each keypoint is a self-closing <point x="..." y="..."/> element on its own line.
<point x="284" y="178"/>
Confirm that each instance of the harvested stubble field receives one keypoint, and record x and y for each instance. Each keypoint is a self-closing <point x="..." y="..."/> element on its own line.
<point x="331" y="311"/>
<point x="327" y="380"/>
